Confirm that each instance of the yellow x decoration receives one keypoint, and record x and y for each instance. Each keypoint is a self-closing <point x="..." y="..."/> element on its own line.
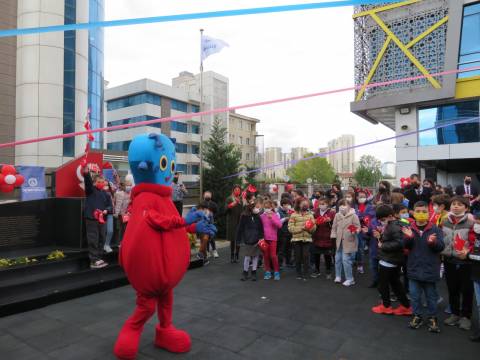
<point x="392" y="37"/>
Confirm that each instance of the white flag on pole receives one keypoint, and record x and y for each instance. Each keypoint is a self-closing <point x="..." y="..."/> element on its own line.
<point x="211" y="46"/>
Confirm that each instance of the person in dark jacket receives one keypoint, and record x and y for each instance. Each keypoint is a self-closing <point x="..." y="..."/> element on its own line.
<point x="390" y="253"/>
<point x="322" y="242"/>
<point x="234" y="210"/>
<point x="415" y="192"/>
<point x="365" y="212"/>
<point x="249" y="233"/>
<point x="97" y="205"/>
<point x="424" y="241"/>
<point x="213" y="208"/>
<point x="284" y="237"/>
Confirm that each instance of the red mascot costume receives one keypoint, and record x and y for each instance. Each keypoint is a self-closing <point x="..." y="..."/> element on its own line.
<point x="155" y="251"/>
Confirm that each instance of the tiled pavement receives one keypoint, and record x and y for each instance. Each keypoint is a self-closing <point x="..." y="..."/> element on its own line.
<point x="229" y="319"/>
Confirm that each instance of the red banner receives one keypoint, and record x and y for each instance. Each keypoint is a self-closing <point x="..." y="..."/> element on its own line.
<point x="69" y="179"/>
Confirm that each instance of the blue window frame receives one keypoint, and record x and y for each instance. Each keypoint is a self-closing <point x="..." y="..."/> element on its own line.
<point x="195" y="129"/>
<point x="137" y="99"/>
<point x="69" y="78"/>
<point x="195" y="169"/>
<point x="181" y="148"/>
<point x="181" y="168"/>
<point x="179" y="105"/>
<point x="119" y="145"/>
<point x="467" y="132"/>
<point x="178" y="126"/>
<point x="133" y="120"/>
<point x="470" y="41"/>
<point x="195" y="109"/>
<point x="195" y="149"/>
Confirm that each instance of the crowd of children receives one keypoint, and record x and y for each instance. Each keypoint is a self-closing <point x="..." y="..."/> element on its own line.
<point x="413" y="237"/>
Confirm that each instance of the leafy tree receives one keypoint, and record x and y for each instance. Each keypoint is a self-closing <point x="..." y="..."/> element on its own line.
<point x="368" y="172"/>
<point x="222" y="159"/>
<point x="318" y="169"/>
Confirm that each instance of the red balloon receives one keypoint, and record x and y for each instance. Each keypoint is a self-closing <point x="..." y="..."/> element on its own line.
<point x="8" y="170"/>
<point x="2" y="179"/>
<point x="19" y="180"/>
<point x="289" y="187"/>
<point x="309" y="225"/>
<point x="6" y="188"/>
<point x="107" y="165"/>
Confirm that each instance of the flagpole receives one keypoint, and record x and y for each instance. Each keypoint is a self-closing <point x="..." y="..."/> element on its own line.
<point x="201" y="117"/>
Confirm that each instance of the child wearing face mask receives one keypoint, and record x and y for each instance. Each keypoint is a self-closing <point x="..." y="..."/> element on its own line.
<point x="301" y="225"/>
<point x="249" y="233"/>
<point x="363" y="211"/>
<point x="403" y="216"/>
<point x="391" y="257"/>
<point x="456" y="230"/>
<point x="271" y="224"/>
<point x="424" y="240"/>
<point x="345" y="228"/>
<point x="322" y="242"/>
<point x="441" y="204"/>
<point x="284" y="237"/>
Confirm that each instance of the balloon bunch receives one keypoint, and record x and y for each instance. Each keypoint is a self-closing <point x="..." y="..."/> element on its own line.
<point x="9" y="179"/>
<point x="404" y="182"/>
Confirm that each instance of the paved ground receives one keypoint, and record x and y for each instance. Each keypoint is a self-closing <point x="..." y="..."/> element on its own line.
<point x="229" y="319"/>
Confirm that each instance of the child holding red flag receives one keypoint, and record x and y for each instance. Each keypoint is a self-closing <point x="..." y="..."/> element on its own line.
<point x="322" y="242"/>
<point x="456" y="229"/>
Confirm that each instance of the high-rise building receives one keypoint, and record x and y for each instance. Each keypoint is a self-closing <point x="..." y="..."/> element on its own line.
<point x="243" y="131"/>
<point x="58" y="77"/>
<point x="147" y="100"/>
<point x="273" y="155"/>
<point x="298" y="153"/>
<point x="342" y="161"/>
<point x="323" y="150"/>
<point x="422" y="38"/>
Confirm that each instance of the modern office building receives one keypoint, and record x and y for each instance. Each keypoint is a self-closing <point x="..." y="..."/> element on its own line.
<point x="412" y="38"/>
<point x="273" y="155"/>
<point x="342" y="162"/>
<point x="58" y="77"/>
<point x="243" y="133"/>
<point x="147" y="100"/>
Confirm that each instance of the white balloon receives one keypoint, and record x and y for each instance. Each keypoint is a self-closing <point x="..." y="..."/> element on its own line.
<point x="10" y="179"/>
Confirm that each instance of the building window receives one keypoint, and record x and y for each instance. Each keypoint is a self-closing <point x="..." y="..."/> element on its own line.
<point x="455" y="134"/>
<point x="470" y="41"/>
<point x="195" y="149"/>
<point x="133" y="120"/>
<point x="181" y="168"/>
<point x="241" y="124"/>
<point x="181" y="148"/>
<point x="69" y="78"/>
<point x="119" y="145"/>
<point x="247" y="156"/>
<point x="195" y="109"/>
<point x="178" y="126"/>
<point x="252" y="127"/>
<point x="179" y="106"/>
<point x="241" y="140"/>
<point x="142" y="98"/>
<point x="195" y="169"/>
<point x="247" y="141"/>
<point x="195" y="129"/>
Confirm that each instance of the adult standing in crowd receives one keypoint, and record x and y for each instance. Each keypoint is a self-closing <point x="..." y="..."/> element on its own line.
<point x="415" y="192"/>
<point x="122" y="201"/>
<point x="178" y="193"/>
<point x="233" y="212"/>
<point x="467" y="189"/>
<point x="384" y="195"/>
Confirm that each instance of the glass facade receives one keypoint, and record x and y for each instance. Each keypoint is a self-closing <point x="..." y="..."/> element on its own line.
<point x="195" y="170"/>
<point x="195" y="149"/>
<point x="470" y="41"/>
<point x="195" y="109"/>
<point x="135" y="119"/>
<point x="179" y="105"/>
<point x="455" y="134"/>
<point x="181" y="148"/>
<point x="178" y="126"/>
<point x="195" y="129"/>
<point x="142" y="98"/>
<point x="181" y="168"/>
<point x="95" y="70"/>
<point x="119" y="145"/>
<point x="69" y="78"/>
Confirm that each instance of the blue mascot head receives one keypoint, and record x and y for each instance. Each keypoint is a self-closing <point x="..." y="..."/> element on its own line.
<point x="152" y="159"/>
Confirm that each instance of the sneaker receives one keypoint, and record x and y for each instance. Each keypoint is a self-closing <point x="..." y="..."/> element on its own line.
<point x="416" y="322"/>
<point x="380" y="309"/>
<point x="433" y="326"/>
<point x="244" y="276"/>
<point x="299" y="277"/>
<point x="348" y="283"/>
<point x="254" y="275"/>
<point x="338" y="280"/>
<point x="267" y="275"/>
<point x="315" y="274"/>
<point x="206" y="262"/>
<point x="107" y="249"/>
<point x="276" y="276"/>
<point x="452" y="320"/>
<point x="403" y="311"/>
<point x="465" y="324"/>
<point x="393" y="298"/>
<point x="215" y="254"/>
<point x="360" y="270"/>
<point x="98" y="264"/>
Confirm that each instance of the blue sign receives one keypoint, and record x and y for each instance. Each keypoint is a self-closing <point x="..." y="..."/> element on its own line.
<point x="33" y="187"/>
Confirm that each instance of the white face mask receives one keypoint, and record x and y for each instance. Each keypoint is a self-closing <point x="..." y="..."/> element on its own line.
<point x="128" y="188"/>
<point x="267" y="211"/>
<point x="323" y="207"/>
<point x="256" y="210"/>
<point x="349" y="199"/>
<point x="343" y="209"/>
<point x="457" y="215"/>
<point x="362" y="200"/>
<point x="476" y="228"/>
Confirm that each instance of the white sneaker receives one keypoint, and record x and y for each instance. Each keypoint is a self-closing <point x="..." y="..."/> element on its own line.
<point x="107" y="249"/>
<point x="215" y="254"/>
<point x="348" y="283"/>
<point x="338" y="280"/>
<point x="98" y="264"/>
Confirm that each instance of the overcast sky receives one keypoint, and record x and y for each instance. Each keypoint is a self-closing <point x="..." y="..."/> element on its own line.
<point x="270" y="56"/>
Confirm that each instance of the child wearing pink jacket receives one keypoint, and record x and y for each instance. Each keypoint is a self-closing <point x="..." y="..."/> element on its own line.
<point x="271" y="223"/>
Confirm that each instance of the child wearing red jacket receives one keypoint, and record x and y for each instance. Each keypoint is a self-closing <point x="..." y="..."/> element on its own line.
<point x="271" y="223"/>
<point x="322" y="242"/>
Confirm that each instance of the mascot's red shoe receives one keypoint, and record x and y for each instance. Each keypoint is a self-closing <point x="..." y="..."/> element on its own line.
<point x="172" y="339"/>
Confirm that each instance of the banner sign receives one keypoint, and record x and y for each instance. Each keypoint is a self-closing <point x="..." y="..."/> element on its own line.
<point x="33" y="187"/>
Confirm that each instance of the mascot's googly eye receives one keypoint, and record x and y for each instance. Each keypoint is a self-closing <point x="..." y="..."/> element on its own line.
<point x="163" y="163"/>
<point x="173" y="166"/>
